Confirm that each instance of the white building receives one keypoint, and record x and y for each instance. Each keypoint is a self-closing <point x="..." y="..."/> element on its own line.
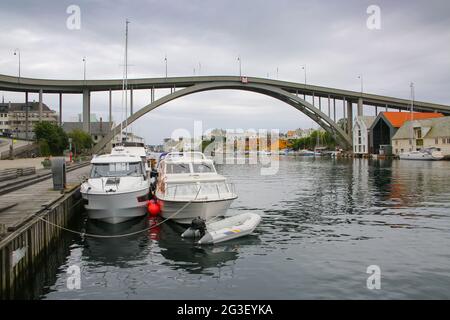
<point x="361" y="134"/>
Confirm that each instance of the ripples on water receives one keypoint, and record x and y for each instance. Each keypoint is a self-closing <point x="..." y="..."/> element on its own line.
<point x="324" y="222"/>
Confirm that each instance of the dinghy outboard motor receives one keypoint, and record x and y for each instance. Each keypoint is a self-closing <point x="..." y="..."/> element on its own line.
<point x="198" y="225"/>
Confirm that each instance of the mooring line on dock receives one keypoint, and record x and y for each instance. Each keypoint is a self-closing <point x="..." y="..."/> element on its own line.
<point x="84" y="234"/>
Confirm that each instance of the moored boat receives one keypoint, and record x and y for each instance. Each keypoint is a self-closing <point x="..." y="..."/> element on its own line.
<point x="117" y="189"/>
<point x="427" y="154"/>
<point x="189" y="187"/>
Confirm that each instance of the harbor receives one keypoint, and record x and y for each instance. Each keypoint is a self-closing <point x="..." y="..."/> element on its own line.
<point x="224" y="156"/>
<point x="345" y="214"/>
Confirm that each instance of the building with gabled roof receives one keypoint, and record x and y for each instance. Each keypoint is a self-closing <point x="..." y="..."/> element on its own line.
<point x="426" y="133"/>
<point x="361" y="134"/>
<point x="386" y="124"/>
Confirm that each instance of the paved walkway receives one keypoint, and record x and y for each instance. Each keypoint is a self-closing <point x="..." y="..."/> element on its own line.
<point x="19" y="206"/>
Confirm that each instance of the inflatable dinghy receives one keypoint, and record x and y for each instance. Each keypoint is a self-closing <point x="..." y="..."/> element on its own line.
<point x="229" y="228"/>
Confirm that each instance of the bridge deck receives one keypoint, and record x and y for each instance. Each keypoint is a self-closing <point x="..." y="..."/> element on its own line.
<point x="77" y="86"/>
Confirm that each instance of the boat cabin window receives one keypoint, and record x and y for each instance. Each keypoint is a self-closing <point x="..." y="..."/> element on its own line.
<point x="178" y="168"/>
<point x="117" y="169"/>
<point x="202" y="168"/>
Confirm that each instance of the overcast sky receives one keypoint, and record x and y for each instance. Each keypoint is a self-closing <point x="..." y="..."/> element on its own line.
<point x="330" y="37"/>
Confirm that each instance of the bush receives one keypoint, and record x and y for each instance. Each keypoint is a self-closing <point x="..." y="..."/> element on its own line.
<point x="53" y="135"/>
<point x="81" y="141"/>
<point x="44" y="149"/>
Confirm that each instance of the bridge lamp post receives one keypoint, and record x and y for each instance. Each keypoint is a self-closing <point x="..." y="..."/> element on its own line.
<point x="240" y="66"/>
<point x="304" y="70"/>
<point x="17" y="53"/>
<point x="84" y="69"/>
<point x="165" y="61"/>
<point x="362" y="83"/>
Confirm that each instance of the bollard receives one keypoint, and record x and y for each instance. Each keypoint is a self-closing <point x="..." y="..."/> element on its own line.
<point x="59" y="173"/>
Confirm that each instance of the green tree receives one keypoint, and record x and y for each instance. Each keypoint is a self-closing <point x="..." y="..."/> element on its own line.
<point x="310" y="142"/>
<point x="53" y="135"/>
<point x="81" y="141"/>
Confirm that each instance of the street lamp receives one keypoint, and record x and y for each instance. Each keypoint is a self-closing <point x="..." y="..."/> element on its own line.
<point x="362" y="83"/>
<point x="84" y="70"/>
<point x="17" y="53"/>
<point x="240" y="66"/>
<point x="304" y="70"/>
<point x="165" y="60"/>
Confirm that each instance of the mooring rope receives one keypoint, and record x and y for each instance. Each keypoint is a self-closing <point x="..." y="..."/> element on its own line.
<point x="114" y="236"/>
<point x="84" y="234"/>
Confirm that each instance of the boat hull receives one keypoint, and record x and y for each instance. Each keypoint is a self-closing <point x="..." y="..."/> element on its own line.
<point x="116" y="207"/>
<point x="203" y="209"/>
<point x="419" y="157"/>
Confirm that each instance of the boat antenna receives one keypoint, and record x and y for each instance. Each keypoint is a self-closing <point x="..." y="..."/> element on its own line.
<point x="125" y="85"/>
<point x="412" y="99"/>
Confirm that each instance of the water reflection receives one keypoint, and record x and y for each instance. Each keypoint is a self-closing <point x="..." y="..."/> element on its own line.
<point x="121" y="251"/>
<point x="185" y="254"/>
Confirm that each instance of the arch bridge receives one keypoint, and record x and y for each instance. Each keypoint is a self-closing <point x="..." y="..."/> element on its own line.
<point x="321" y="109"/>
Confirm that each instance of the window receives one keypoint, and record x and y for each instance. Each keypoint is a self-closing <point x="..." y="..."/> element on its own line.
<point x="448" y="140"/>
<point x="443" y="140"/>
<point x="436" y="141"/>
<point x="116" y="169"/>
<point x="202" y="168"/>
<point x="364" y="149"/>
<point x="396" y="142"/>
<point x="178" y="168"/>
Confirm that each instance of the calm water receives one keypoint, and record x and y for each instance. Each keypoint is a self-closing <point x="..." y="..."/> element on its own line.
<point x="324" y="222"/>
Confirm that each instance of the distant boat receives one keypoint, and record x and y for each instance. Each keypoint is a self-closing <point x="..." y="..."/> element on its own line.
<point x="306" y="153"/>
<point x="425" y="154"/>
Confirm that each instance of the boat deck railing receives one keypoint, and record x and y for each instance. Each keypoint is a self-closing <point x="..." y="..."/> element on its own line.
<point x="199" y="191"/>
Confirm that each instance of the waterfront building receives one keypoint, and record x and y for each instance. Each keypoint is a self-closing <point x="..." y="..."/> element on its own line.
<point x="98" y="130"/>
<point x="361" y="134"/>
<point x="386" y="125"/>
<point x="419" y="134"/>
<point x="18" y="118"/>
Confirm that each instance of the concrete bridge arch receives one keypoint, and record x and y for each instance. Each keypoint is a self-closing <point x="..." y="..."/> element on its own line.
<point x="300" y="104"/>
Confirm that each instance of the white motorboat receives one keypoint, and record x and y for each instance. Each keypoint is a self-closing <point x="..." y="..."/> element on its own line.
<point x="133" y="148"/>
<point x="117" y="189"/>
<point x="189" y="187"/>
<point x="425" y="154"/>
<point x="226" y="229"/>
<point x="306" y="153"/>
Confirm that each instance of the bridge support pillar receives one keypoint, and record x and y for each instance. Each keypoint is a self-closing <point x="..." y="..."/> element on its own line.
<point x="110" y="107"/>
<point x="360" y="107"/>
<point x="334" y="109"/>
<point x="40" y="104"/>
<point x="26" y="115"/>
<point x="60" y="109"/>
<point x="152" y="95"/>
<point x="349" y="118"/>
<point x="86" y="110"/>
<point x="131" y="102"/>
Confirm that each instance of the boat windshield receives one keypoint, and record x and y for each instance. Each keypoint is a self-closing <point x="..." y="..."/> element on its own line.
<point x="178" y="168"/>
<point x="117" y="169"/>
<point x="202" y="168"/>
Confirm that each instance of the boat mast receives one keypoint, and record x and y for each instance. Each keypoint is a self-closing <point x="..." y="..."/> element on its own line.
<point x="124" y="86"/>
<point x="412" y="113"/>
<point x="126" y="78"/>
